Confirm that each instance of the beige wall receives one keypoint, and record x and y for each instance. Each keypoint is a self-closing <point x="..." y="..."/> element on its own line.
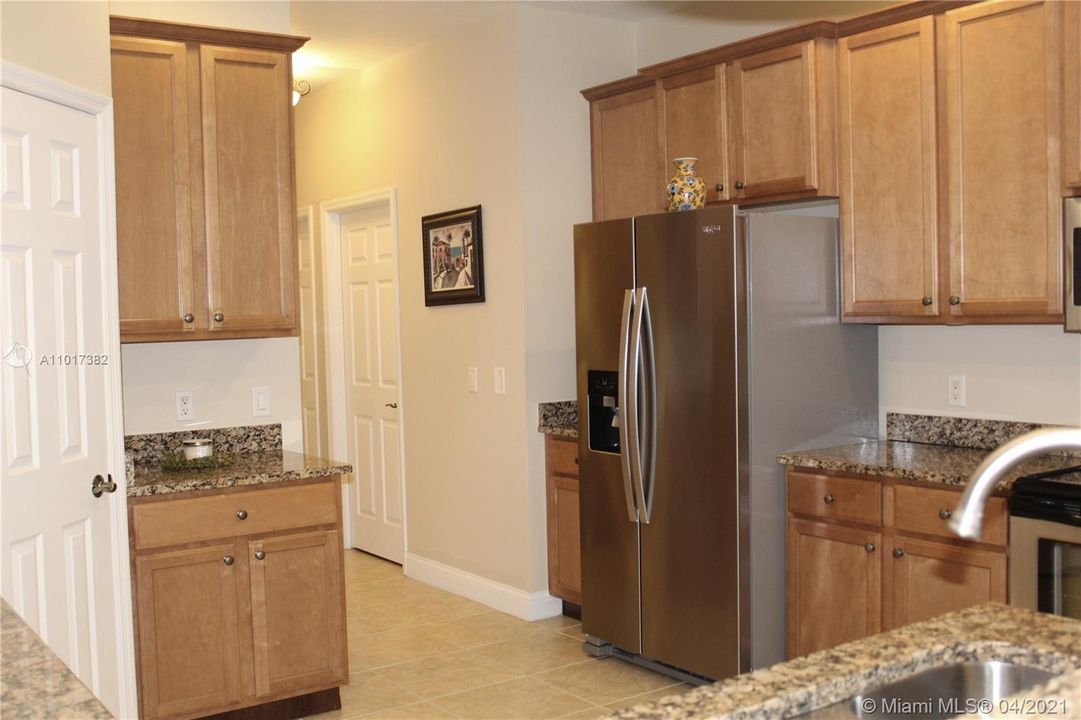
<point x="1013" y="372"/>
<point x="473" y="119"/>
<point x="65" y="40"/>
<point x="220" y="373"/>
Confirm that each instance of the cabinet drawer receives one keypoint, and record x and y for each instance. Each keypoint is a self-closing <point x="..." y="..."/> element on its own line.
<point x="837" y="498"/>
<point x="926" y="510"/>
<point x="173" y="522"/>
<point x="563" y="456"/>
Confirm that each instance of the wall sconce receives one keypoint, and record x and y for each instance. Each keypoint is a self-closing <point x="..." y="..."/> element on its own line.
<point x="300" y="89"/>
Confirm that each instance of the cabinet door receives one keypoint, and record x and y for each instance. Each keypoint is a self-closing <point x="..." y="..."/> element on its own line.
<point x="153" y="191"/>
<point x="833" y="585"/>
<point x="248" y="174"/>
<point x="773" y="133"/>
<point x="889" y="198"/>
<point x="298" y="612"/>
<point x="628" y="177"/>
<point x="927" y="579"/>
<point x="1071" y="100"/>
<point x="693" y="109"/>
<point x="564" y="538"/>
<point x="1001" y="77"/>
<point x="189" y="630"/>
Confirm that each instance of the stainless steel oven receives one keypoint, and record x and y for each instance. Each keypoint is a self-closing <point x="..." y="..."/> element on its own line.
<point x="1045" y="542"/>
<point x="1072" y="234"/>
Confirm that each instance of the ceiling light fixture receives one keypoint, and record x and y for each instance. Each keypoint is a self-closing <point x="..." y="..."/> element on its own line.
<point x="300" y="89"/>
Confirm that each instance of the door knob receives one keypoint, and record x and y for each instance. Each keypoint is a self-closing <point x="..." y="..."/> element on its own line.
<point x="954" y="300"/>
<point x="720" y="187"/>
<point x="189" y="318"/>
<point x="259" y="554"/>
<point x="392" y="405"/>
<point x="99" y="486"/>
<point x="228" y="560"/>
<point x="927" y="300"/>
<point x="898" y="553"/>
<point x="219" y="317"/>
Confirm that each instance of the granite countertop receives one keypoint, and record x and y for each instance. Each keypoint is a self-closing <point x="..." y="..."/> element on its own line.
<point x="34" y="683"/>
<point x="252" y="468"/>
<point x="984" y="632"/>
<point x="939" y="464"/>
<point x="558" y="419"/>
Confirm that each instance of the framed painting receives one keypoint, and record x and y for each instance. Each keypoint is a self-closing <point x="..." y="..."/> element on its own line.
<point x="453" y="257"/>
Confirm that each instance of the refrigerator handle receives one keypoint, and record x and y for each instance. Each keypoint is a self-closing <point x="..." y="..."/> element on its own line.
<point x="647" y="425"/>
<point x="633" y="414"/>
<point x="624" y="403"/>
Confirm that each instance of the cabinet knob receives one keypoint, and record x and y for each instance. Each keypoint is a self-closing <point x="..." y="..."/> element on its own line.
<point x="898" y="553"/>
<point x="720" y="187"/>
<point x="928" y="300"/>
<point x="228" y="560"/>
<point x="954" y="300"/>
<point x="869" y="547"/>
<point x="829" y="499"/>
<point x="259" y="554"/>
<point x="739" y="184"/>
<point x="189" y="318"/>
<point x="945" y="513"/>
<point x="219" y="317"/>
<point x="242" y="514"/>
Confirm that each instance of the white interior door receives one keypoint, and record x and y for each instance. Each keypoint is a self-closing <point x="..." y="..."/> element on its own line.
<point x="369" y="282"/>
<point x="310" y="339"/>
<point x="61" y="545"/>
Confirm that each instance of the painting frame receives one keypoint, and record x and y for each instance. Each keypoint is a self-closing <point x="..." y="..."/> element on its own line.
<point x="452" y="248"/>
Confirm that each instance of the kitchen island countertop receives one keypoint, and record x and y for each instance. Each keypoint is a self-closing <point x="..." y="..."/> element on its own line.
<point x="985" y="632"/>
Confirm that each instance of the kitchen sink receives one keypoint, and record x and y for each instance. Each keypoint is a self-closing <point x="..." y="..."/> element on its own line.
<point x="941" y="692"/>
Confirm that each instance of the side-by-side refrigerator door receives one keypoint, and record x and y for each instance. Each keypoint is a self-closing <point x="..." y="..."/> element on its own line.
<point x="689" y="268"/>
<point x="603" y="279"/>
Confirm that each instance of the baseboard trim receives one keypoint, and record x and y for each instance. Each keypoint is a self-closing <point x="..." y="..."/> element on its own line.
<point x="496" y="595"/>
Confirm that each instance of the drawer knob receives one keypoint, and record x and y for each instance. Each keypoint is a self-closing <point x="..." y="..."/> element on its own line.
<point x="829" y="499"/>
<point x="189" y="318"/>
<point x="928" y="300"/>
<point x="228" y="559"/>
<point x="219" y="317"/>
<point x="898" y="553"/>
<point x="259" y="554"/>
<point x="954" y="300"/>
<point x="869" y="547"/>
<point x="242" y="514"/>
<point x="945" y="513"/>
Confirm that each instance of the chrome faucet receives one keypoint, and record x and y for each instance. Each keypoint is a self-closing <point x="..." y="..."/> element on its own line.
<point x="967" y="519"/>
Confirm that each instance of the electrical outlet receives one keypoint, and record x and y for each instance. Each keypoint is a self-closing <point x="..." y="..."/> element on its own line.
<point x="185" y="406"/>
<point x="499" y="381"/>
<point x="472" y="373"/>
<point x="956" y="392"/>
<point x="260" y="400"/>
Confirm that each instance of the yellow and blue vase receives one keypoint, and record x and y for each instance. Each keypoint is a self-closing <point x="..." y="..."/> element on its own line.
<point x="685" y="191"/>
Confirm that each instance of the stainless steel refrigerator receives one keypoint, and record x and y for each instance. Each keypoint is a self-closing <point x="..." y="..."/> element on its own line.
<point x="707" y="342"/>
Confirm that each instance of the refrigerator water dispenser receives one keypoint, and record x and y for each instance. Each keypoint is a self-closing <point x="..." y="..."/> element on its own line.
<point x="603" y="414"/>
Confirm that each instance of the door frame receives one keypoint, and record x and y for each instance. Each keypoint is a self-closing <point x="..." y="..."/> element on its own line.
<point x="330" y="213"/>
<point x="50" y="89"/>
<point x="307" y="212"/>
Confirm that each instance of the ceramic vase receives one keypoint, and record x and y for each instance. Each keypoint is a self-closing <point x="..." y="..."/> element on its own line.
<point x="685" y="191"/>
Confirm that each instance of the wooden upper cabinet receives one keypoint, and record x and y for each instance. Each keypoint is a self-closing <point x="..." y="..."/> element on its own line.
<point x="153" y="188"/>
<point x="834" y="589"/>
<point x="628" y="176"/>
<point x="298" y="612"/>
<point x="1071" y="99"/>
<point x="1000" y="64"/>
<point x="781" y="129"/>
<point x="189" y="630"/>
<point x="205" y="187"/>
<point x="248" y="171"/>
<point x="926" y="579"/>
<point x="888" y="172"/>
<point x="692" y="106"/>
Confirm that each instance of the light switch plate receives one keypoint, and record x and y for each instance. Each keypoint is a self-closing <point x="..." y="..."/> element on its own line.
<point x="499" y="381"/>
<point x="260" y="400"/>
<point x="472" y="374"/>
<point x="185" y="406"/>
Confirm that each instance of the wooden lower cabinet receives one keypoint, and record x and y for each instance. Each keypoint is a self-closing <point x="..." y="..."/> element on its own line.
<point x="254" y="615"/>
<point x="930" y="578"/>
<point x="833" y="585"/>
<point x="564" y="533"/>
<point x="847" y="579"/>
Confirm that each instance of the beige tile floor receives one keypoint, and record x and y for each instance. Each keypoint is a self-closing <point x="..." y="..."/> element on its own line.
<point x="416" y="652"/>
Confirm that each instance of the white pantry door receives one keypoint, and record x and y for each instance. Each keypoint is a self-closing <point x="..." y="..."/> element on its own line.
<point x="369" y="269"/>
<point x="56" y="298"/>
